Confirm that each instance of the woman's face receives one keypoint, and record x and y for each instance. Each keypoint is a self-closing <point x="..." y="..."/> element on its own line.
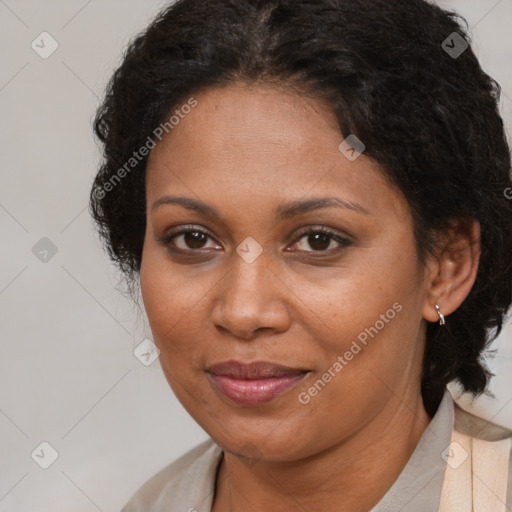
<point x="249" y="283"/>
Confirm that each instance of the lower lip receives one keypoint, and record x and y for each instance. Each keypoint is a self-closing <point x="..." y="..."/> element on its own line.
<point x="254" y="392"/>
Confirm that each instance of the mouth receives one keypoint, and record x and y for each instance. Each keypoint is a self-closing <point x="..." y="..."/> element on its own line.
<point x="255" y="383"/>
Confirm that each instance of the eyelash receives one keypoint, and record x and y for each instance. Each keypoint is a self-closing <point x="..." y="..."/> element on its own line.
<point x="344" y="242"/>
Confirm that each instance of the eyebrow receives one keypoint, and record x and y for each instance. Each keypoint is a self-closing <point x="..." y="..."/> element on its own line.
<point x="285" y="211"/>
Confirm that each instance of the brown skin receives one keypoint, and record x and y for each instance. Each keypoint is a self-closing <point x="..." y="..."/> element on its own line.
<point x="246" y="150"/>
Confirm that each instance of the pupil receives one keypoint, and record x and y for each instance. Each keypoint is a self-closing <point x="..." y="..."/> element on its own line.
<point x="194" y="239"/>
<point x="321" y="238"/>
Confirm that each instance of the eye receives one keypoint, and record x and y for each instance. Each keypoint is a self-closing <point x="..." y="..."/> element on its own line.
<point x="192" y="239"/>
<point x="321" y="240"/>
<point x="188" y="239"/>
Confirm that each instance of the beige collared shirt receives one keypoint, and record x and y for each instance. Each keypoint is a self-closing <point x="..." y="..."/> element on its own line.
<point x="188" y="484"/>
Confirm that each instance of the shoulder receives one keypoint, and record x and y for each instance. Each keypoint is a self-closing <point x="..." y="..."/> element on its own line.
<point x="499" y="441"/>
<point x="475" y="426"/>
<point x="187" y="483"/>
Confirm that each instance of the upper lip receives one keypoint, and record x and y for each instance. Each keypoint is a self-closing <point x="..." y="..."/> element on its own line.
<point x="253" y="370"/>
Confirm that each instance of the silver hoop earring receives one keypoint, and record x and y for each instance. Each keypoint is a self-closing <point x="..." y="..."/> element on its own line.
<point x="441" y="316"/>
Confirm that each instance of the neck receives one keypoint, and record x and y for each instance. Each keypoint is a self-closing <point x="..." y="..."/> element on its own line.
<point x="351" y="476"/>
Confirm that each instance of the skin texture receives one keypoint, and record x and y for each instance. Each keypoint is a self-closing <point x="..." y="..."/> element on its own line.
<point x="246" y="150"/>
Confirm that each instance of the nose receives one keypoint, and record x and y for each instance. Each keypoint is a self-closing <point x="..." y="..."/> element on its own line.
<point x="252" y="298"/>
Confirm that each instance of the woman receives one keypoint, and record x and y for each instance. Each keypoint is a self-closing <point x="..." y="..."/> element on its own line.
<point x="312" y="196"/>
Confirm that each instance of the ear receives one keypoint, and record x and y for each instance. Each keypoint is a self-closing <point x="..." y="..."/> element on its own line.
<point x="452" y="272"/>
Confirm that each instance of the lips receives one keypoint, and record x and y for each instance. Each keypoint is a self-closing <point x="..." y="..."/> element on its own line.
<point x="255" y="383"/>
<point x="255" y="370"/>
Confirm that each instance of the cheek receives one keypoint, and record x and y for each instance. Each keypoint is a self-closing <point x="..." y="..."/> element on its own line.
<point x="371" y="319"/>
<point x="380" y="292"/>
<point x="174" y="303"/>
<point x="164" y="299"/>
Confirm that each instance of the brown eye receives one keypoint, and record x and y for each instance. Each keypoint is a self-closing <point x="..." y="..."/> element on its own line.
<point x="194" y="239"/>
<point x="191" y="239"/>
<point x="321" y="240"/>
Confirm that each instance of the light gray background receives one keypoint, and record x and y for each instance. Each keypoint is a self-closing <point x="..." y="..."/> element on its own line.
<point x="67" y="369"/>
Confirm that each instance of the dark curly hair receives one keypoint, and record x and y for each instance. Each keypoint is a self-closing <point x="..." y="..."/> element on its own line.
<point x="397" y="73"/>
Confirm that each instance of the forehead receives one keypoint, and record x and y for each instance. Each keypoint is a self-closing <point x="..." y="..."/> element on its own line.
<point x="243" y="139"/>
<point x="251" y="119"/>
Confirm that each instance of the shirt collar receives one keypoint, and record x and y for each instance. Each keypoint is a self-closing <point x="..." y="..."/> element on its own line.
<point x="419" y="485"/>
